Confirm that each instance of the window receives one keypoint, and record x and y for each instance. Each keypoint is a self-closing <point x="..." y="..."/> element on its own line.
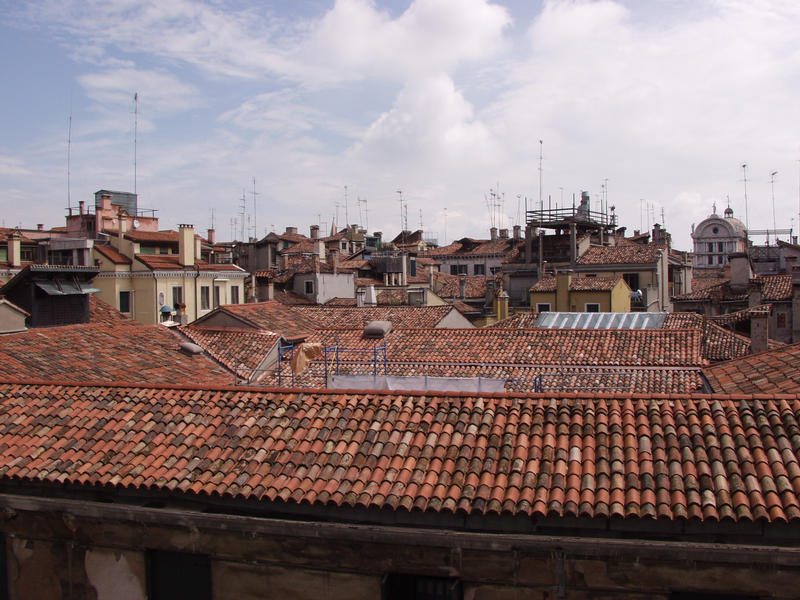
<point x="542" y="307"/>
<point x="217" y="295"/>
<point x="592" y="307"/>
<point x="344" y="245"/>
<point x="632" y="279"/>
<point x="205" y="297"/>
<point x="177" y="296"/>
<point x="309" y="287"/>
<point x="710" y="246"/>
<point x="147" y="250"/>
<point x="721" y="246"/>
<point x="178" y="575"/>
<point x="235" y="294"/>
<point x="479" y="270"/>
<point x="458" y="269"/>
<point x="4" y="254"/>
<point x="163" y="250"/>
<point x="125" y="302"/>
<point x="398" y="586"/>
<point x="26" y="254"/>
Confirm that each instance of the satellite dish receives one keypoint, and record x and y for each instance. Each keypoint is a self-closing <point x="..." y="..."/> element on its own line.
<point x="136" y="222"/>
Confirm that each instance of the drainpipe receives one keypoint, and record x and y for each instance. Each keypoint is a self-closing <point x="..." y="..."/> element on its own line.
<point x="196" y="278"/>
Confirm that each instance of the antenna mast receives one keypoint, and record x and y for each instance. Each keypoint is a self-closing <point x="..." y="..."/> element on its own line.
<point x="135" y="134"/>
<point x="774" y="222"/>
<point x="346" y="216"/>
<point x="69" y="153"/>
<point x="746" y="215"/>
<point x="243" y="213"/>
<point x="255" y="222"/>
<point x="541" y="206"/>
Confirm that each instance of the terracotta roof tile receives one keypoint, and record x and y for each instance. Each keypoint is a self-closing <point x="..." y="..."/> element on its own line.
<point x="401" y="317"/>
<point x="520" y="320"/>
<point x="651" y="360"/>
<point x="472" y="247"/>
<point x="446" y="285"/>
<point x="771" y="371"/>
<point x="240" y="349"/>
<point x="105" y="352"/>
<point x="578" y="284"/>
<point x="100" y="312"/>
<point x="584" y="455"/>
<point x="774" y="288"/>
<point x="627" y="254"/>
<point x="113" y="255"/>
<point x="170" y="262"/>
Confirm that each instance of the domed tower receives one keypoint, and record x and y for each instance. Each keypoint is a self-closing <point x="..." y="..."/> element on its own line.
<point x="715" y="238"/>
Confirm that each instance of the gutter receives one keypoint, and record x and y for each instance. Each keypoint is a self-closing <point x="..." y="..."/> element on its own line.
<point x="253" y="527"/>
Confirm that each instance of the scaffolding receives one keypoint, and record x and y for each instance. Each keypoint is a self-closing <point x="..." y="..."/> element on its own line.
<point x="332" y="358"/>
<point x="281" y="349"/>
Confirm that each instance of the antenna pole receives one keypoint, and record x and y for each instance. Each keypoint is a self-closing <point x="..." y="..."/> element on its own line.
<point x="541" y="206"/>
<point x="244" y="212"/>
<point x="746" y="214"/>
<point x="69" y="153"/>
<point x="774" y="222"/>
<point x="135" y="134"/>
<point x="255" y="222"/>
<point x="346" y="217"/>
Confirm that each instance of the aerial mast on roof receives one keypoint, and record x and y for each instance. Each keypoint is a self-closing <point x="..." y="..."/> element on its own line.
<point x="746" y="214"/>
<point x="135" y="134"/>
<point x="69" y="152"/>
<point x="243" y="213"/>
<point x="541" y="205"/>
<point x="255" y="222"/>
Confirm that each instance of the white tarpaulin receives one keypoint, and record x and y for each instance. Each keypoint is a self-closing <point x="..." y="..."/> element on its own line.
<point x="417" y="384"/>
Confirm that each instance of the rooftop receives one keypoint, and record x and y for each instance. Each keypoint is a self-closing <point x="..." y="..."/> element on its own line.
<point x="677" y="458"/>
<point x="772" y="371"/>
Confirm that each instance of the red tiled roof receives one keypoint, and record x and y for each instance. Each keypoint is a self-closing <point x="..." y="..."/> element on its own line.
<point x="578" y="284"/>
<point x="341" y="302"/>
<point x="473" y="247"/>
<point x="240" y="349"/>
<point x="775" y="287"/>
<point x="628" y="254"/>
<point x="772" y="371"/>
<point x="401" y="317"/>
<point x="5" y="232"/>
<point x="291" y="298"/>
<point x="464" y="308"/>
<point x="114" y="255"/>
<point x="741" y="315"/>
<point x="103" y="352"/>
<point x="100" y="312"/>
<point x="169" y="262"/>
<point x="696" y="457"/>
<point x="520" y="320"/>
<point x="272" y="316"/>
<point x="449" y="286"/>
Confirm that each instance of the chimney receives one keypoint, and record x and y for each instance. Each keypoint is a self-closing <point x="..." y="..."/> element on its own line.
<point x="462" y="287"/>
<point x="370" y="298"/>
<point x="517" y="232"/>
<point x="501" y="304"/>
<point x="186" y="246"/>
<point x="319" y="249"/>
<point x="14" y="251"/>
<point x="335" y="261"/>
<point x="315" y="261"/>
<point x="122" y="224"/>
<point x="314" y="232"/>
<point x="504" y="234"/>
<point x="40" y="227"/>
<point x="291" y="230"/>
<point x="81" y="206"/>
<point x="741" y="272"/>
<point x="270" y="291"/>
<point x="212" y="236"/>
<point x="759" y="330"/>
<point x="563" y="279"/>
<point x="493" y="233"/>
<point x="795" y="304"/>
<point x="198" y="248"/>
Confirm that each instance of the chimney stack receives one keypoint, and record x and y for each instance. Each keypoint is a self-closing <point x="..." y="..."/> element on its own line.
<point x="291" y="230"/>
<point x="40" y="227"/>
<point x="759" y="330"/>
<point x="81" y="206"/>
<point x="740" y="271"/>
<point x="493" y="233"/>
<point x="212" y="236"/>
<point x="315" y="232"/>
<point x="14" y="251"/>
<point x="122" y="224"/>
<point x="462" y="287"/>
<point x="186" y="246"/>
<point x="517" y="232"/>
<point x="319" y="249"/>
<point x="504" y="234"/>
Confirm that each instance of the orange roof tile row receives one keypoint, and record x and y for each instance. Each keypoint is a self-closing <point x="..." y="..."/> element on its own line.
<point x="627" y="254"/>
<point x="774" y="288"/>
<point x="578" y="284"/>
<point x="674" y="458"/>
<point x="774" y="370"/>
<point x="520" y="320"/>
<point x="446" y="285"/>
<point x="348" y="317"/>
<point x="497" y="345"/>
<point x="240" y="349"/>
<point x="105" y="352"/>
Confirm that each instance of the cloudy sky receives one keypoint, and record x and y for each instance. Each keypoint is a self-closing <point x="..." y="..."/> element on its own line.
<point x="654" y="103"/>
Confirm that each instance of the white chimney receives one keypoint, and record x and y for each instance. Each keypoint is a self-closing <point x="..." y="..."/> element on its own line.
<point x="14" y="251"/>
<point x="186" y="245"/>
<point x="370" y="299"/>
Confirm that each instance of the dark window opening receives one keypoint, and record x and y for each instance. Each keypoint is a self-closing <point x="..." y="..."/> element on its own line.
<point x="205" y="297"/>
<point x="412" y="587"/>
<point x="543" y="307"/>
<point x="217" y="294"/>
<point x="632" y="279"/>
<point x="592" y="307"/>
<point x="309" y="287"/>
<point x="125" y="302"/>
<point x="479" y="270"/>
<point x="458" y="269"/>
<point x="235" y="294"/>
<point x="177" y="296"/>
<point x="175" y="575"/>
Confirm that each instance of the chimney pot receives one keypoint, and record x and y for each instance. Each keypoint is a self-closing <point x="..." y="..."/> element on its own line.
<point x="493" y="233"/>
<point x="212" y="236"/>
<point x="81" y="206"/>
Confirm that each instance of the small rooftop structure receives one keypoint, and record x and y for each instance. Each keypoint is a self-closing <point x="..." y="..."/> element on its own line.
<point x="609" y="320"/>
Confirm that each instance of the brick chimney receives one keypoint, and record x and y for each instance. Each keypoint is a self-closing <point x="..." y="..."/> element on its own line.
<point x="319" y="249"/>
<point x="186" y="246"/>
<point x="314" y="232"/>
<point x="759" y="330"/>
<point x="741" y="273"/>
<point x="493" y="233"/>
<point x="122" y="224"/>
<point x="212" y="236"/>
<point x="14" y="251"/>
<point x="462" y="287"/>
<point x="517" y="232"/>
<point x="504" y="234"/>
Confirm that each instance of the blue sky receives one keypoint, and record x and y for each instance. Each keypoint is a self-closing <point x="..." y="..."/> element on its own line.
<point x="443" y="99"/>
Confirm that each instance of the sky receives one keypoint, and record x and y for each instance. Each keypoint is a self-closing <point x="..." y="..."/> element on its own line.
<point x="327" y="109"/>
